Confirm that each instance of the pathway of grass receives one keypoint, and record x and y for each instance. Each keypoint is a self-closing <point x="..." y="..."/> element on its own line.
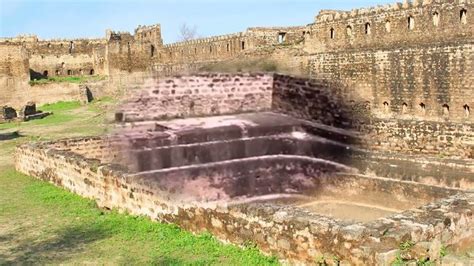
<point x="43" y="224"/>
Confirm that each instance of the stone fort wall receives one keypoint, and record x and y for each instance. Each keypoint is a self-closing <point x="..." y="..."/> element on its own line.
<point x="407" y="63"/>
<point x="404" y="58"/>
<point x="408" y="25"/>
<point x="333" y="104"/>
<point x="60" y="57"/>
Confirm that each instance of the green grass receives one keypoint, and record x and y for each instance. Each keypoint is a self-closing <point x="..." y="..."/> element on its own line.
<point x="60" y="115"/>
<point x="68" y="79"/>
<point x="43" y="224"/>
<point x="70" y="229"/>
<point x="60" y="106"/>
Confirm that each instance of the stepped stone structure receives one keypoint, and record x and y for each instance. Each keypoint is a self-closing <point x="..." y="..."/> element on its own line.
<point x="374" y="150"/>
<point x="240" y="156"/>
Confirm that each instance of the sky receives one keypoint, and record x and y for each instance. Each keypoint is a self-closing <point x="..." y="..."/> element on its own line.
<point x="90" y="18"/>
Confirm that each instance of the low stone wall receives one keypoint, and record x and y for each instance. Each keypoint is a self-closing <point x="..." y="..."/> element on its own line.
<point x="98" y="148"/>
<point x="290" y="232"/>
<point x="199" y="95"/>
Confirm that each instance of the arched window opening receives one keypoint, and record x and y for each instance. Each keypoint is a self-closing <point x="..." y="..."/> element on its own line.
<point x="404" y="108"/>
<point x="58" y="72"/>
<point x="228" y="47"/>
<point x="71" y="47"/>
<point x="152" y="50"/>
<point x="91" y="72"/>
<point x="368" y="29"/>
<point x="45" y="74"/>
<point x="467" y="110"/>
<point x="69" y="72"/>
<point x="349" y="30"/>
<point x="463" y="16"/>
<point x="210" y="49"/>
<point x="422" y="108"/>
<point x="242" y="45"/>
<point x="332" y="33"/>
<point x="388" y="26"/>
<point x="63" y="64"/>
<point x="445" y="109"/>
<point x="386" y="107"/>
<point x="281" y="37"/>
<point x="436" y="19"/>
<point x="411" y="23"/>
<point x="49" y="45"/>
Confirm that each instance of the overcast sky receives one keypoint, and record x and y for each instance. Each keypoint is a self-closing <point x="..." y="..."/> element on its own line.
<point x="90" y="18"/>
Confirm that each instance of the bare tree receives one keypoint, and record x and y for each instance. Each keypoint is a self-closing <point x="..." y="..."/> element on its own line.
<point x="187" y="33"/>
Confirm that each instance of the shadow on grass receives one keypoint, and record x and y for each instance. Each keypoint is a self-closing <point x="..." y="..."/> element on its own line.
<point x="9" y="135"/>
<point x="66" y="243"/>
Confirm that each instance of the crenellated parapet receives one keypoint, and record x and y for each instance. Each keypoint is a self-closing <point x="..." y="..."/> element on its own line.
<point x="333" y="15"/>
<point x="206" y="40"/>
<point x="404" y="24"/>
<point x="20" y="39"/>
<point x="112" y="36"/>
<point x="231" y="45"/>
<point x="149" y="34"/>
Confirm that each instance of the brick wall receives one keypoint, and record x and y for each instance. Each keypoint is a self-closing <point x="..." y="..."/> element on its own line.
<point x="331" y="104"/>
<point x="394" y="25"/>
<point x="411" y="83"/>
<point x="198" y="95"/>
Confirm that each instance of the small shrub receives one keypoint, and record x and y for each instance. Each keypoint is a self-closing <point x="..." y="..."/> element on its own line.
<point x="406" y="245"/>
<point x="443" y="252"/>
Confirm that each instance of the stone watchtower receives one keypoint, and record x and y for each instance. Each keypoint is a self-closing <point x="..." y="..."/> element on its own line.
<point x="149" y="35"/>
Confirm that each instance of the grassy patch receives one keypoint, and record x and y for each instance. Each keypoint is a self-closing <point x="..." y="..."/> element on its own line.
<point x="63" y="113"/>
<point x="68" y="79"/>
<point x="60" y="106"/>
<point x="242" y="66"/>
<point x="59" y="116"/>
<point x="70" y="229"/>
